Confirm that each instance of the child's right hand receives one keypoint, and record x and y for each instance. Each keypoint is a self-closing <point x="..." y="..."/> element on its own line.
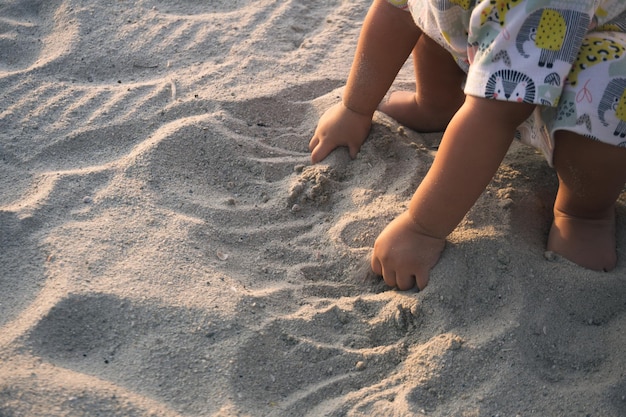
<point x="339" y="126"/>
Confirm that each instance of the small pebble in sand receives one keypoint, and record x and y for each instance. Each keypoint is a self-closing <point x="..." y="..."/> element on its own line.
<point x="360" y="365"/>
<point x="296" y="208"/>
<point x="221" y="255"/>
<point x="550" y="256"/>
<point x="87" y="200"/>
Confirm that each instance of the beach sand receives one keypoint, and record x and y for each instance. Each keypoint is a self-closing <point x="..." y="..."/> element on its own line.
<point x="167" y="249"/>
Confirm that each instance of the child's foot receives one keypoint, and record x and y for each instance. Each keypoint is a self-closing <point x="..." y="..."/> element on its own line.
<point x="589" y="243"/>
<point x="403" y="107"/>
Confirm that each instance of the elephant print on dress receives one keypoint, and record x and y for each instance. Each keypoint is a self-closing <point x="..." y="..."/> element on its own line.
<point x="510" y="85"/>
<point x="557" y="33"/>
<point x="614" y="99"/>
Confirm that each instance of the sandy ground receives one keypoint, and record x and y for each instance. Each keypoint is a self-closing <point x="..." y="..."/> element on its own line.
<point x="166" y="248"/>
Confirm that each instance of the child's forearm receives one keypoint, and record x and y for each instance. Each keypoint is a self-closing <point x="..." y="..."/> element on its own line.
<point x="471" y="151"/>
<point x="386" y="41"/>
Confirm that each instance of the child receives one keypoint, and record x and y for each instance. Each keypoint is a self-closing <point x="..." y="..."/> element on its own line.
<point x="552" y="72"/>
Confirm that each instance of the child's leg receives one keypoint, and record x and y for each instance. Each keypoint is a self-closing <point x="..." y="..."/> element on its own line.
<point x="591" y="176"/>
<point x="438" y="93"/>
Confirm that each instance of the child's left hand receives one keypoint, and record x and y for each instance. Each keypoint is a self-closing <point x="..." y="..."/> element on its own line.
<point x="404" y="256"/>
<point x="339" y="126"/>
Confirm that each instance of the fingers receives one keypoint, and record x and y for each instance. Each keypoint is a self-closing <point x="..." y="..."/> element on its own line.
<point x="377" y="268"/>
<point x="320" y="152"/>
<point x="402" y="280"/>
<point x="421" y="280"/>
<point x="313" y="143"/>
<point x="320" y="149"/>
<point x="405" y="282"/>
<point x="353" y="150"/>
<point x="389" y="276"/>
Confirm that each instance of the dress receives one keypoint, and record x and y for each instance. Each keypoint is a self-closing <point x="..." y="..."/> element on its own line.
<point x="566" y="56"/>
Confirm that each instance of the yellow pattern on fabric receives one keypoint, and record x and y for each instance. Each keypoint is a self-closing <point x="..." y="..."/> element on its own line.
<point x="497" y="10"/>
<point x="399" y="3"/>
<point x="594" y="50"/>
<point x="600" y="12"/>
<point x="551" y="31"/>
<point x="465" y="4"/>
<point x="504" y="6"/>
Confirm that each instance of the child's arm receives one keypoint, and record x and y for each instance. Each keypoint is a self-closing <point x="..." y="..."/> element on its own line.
<point x="471" y="151"/>
<point x="387" y="39"/>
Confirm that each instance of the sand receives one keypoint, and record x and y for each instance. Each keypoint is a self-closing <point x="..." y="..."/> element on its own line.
<point x="167" y="249"/>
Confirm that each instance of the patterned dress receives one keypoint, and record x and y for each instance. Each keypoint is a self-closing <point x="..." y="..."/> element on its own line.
<point x="566" y="56"/>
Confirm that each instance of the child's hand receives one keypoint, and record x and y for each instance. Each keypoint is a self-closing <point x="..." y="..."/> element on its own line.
<point x="339" y="126"/>
<point x="403" y="255"/>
